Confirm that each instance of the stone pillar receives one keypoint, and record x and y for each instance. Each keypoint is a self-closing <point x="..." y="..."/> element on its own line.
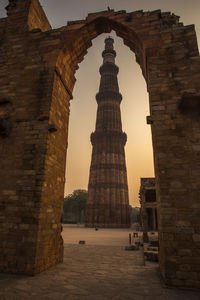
<point x="153" y="219"/>
<point x="145" y="225"/>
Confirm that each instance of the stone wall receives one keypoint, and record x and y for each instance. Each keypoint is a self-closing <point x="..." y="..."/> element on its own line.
<point x="148" y="204"/>
<point x="37" y="17"/>
<point x="30" y="217"/>
<point x="37" y="77"/>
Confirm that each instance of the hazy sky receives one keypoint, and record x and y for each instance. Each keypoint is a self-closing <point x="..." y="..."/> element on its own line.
<point x="135" y="105"/>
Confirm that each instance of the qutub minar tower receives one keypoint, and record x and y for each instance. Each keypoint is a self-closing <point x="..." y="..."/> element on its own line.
<point x="108" y="203"/>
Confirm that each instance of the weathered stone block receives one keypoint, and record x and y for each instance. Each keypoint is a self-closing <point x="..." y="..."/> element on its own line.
<point x="196" y="238"/>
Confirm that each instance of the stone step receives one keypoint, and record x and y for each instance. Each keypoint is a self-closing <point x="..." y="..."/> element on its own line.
<point x="154" y="249"/>
<point x="151" y="256"/>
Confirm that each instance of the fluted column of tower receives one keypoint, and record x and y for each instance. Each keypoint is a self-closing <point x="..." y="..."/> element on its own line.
<point x="108" y="203"/>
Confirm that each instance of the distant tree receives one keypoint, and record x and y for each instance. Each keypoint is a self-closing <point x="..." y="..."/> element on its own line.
<point x="74" y="206"/>
<point x="135" y="215"/>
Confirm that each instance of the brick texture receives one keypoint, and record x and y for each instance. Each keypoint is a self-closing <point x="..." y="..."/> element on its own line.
<point x="36" y="84"/>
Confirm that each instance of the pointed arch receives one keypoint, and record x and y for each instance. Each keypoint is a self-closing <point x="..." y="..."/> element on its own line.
<point x="168" y="55"/>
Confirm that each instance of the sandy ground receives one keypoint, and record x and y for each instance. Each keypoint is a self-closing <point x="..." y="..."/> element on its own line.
<point x="72" y="234"/>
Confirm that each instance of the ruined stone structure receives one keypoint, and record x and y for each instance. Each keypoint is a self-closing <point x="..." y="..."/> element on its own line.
<point x="108" y="204"/>
<point x="37" y="76"/>
<point x="148" y="211"/>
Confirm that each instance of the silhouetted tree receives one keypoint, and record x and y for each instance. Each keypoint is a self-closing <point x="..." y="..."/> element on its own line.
<point x="74" y="206"/>
<point x="135" y="215"/>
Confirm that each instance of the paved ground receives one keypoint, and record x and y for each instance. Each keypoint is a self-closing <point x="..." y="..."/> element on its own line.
<point x="94" y="272"/>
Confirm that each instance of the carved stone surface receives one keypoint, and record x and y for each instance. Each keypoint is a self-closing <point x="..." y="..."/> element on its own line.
<point x="108" y="203"/>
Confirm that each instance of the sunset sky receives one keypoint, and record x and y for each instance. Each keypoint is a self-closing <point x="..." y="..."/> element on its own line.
<point x="135" y="105"/>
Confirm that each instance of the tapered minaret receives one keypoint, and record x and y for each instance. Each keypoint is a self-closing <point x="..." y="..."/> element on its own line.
<point x="108" y="204"/>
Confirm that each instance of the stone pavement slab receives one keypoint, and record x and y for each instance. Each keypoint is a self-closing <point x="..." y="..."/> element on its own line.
<point x="94" y="272"/>
<point x="99" y="270"/>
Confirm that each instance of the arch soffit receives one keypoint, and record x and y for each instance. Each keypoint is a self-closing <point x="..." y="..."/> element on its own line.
<point x="140" y="31"/>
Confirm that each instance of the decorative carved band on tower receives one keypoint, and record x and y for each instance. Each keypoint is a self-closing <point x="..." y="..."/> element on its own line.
<point x="108" y="203"/>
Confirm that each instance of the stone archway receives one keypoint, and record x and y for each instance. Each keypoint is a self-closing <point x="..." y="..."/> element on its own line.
<point x="33" y="171"/>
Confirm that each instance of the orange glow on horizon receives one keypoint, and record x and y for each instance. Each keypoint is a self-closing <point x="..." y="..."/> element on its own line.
<point x="134" y="109"/>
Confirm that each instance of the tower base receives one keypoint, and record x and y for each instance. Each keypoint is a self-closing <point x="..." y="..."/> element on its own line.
<point x="90" y="225"/>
